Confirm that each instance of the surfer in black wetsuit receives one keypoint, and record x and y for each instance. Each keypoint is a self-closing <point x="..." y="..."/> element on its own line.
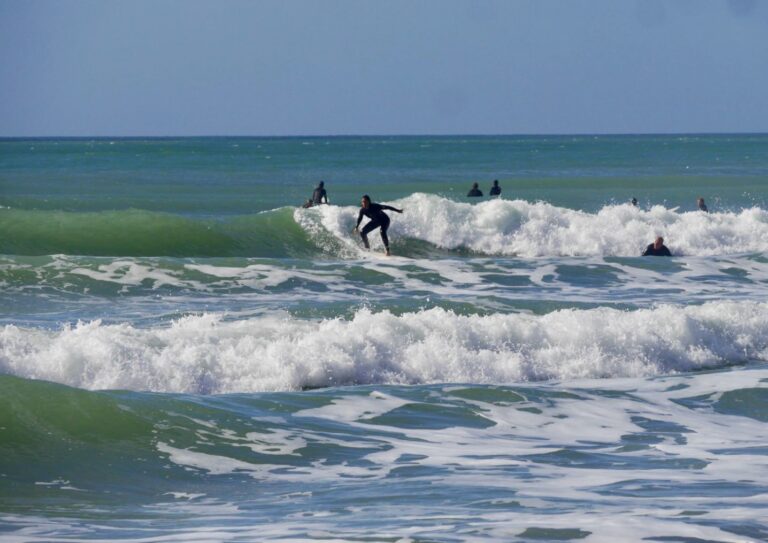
<point x="495" y="188"/>
<point x="375" y="212"/>
<point x="657" y="248"/>
<point x="319" y="194"/>
<point x="701" y="205"/>
<point x="475" y="191"/>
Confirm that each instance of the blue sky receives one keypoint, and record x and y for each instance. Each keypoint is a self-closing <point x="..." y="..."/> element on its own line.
<point x="262" y="67"/>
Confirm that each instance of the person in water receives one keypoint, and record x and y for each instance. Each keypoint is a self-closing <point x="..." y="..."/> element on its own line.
<point x="495" y="189"/>
<point x="633" y="201"/>
<point x="475" y="191"/>
<point x="319" y="194"/>
<point x="701" y="205"/>
<point x="375" y="212"/>
<point x="657" y="248"/>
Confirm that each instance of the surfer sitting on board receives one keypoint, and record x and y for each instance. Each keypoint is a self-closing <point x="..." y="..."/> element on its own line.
<point x="375" y="212"/>
<point x="475" y="191"/>
<point x="319" y="194"/>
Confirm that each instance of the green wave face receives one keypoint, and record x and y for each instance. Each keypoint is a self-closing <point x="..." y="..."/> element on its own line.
<point x="68" y="446"/>
<point x="146" y="233"/>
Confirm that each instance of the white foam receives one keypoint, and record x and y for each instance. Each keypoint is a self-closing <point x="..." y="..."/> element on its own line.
<point x="518" y="227"/>
<point x="207" y="354"/>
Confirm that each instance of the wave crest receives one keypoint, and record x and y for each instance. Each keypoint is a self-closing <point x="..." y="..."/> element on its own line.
<point x="206" y="354"/>
<point x="520" y="228"/>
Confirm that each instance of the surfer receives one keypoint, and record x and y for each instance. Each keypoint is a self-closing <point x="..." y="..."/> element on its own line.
<point x="657" y="248"/>
<point x="495" y="189"/>
<point x="633" y="201"/>
<point x="319" y="194"/>
<point x="701" y="205"/>
<point x="375" y="212"/>
<point x="475" y="191"/>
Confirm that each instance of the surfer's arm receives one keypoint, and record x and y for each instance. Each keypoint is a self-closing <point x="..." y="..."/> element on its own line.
<point x="391" y="208"/>
<point x="359" y="219"/>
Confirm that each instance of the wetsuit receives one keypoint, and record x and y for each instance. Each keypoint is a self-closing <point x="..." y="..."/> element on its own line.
<point x="318" y="195"/>
<point x="652" y="251"/>
<point x="495" y="190"/>
<point x="375" y="212"/>
<point x="474" y="193"/>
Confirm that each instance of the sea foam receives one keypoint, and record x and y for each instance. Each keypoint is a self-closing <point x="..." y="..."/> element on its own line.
<point x="209" y="354"/>
<point x="521" y="228"/>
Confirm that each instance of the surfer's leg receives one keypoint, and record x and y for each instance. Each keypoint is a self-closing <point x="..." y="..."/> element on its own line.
<point x="367" y="230"/>
<point x="384" y="237"/>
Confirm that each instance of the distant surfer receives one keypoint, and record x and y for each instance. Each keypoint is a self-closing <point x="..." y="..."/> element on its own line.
<point x="475" y="191"/>
<point x="701" y="205"/>
<point x="495" y="189"/>
<point x="657" y="248"/>
<point x="633" y="201"/>
<point x="375" y="212"/>
<point x="319" y="196"/>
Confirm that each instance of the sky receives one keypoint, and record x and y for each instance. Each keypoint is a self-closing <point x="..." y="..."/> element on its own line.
<point x="337" y="67"/>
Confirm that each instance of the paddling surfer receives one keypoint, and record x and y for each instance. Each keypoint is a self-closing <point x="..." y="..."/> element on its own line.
<point x="378" y="219"/>
<point x="657" y="248"/>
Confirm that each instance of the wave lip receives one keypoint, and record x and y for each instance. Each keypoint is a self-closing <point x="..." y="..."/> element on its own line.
<point x="206" y="354"/>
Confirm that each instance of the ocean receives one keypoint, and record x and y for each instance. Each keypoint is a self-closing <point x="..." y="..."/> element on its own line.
<point x="186" y="354"/>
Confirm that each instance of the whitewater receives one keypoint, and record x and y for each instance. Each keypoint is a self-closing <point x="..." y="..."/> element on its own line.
<point x="187" y="354"/>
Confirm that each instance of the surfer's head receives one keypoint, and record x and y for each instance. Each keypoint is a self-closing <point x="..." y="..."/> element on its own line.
<point x="365" y="201"/>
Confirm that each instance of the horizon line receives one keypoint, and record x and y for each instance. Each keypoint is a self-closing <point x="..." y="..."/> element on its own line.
<point x="414" y="135"/>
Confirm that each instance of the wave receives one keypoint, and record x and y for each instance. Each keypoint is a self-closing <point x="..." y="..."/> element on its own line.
<point x="520" y="228"/>
<point x="137" y="232"/>
<point x="208" y="354"/>
<point x="431" y="226"/>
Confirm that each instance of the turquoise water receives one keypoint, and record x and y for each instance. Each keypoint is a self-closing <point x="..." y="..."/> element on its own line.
<point x="187" y="354"/>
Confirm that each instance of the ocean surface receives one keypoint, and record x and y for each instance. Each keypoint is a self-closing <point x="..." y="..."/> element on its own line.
<point x="188" y="355"/>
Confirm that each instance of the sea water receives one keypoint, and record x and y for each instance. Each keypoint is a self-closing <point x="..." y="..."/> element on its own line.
<point x="186" y="354"/>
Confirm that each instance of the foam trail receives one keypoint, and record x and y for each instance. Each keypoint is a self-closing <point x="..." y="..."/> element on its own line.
<point x="517" y="227"/>
<point x="206" y="354"/>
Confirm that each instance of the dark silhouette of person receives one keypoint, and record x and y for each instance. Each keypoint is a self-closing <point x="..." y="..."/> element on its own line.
<point x="378" y="219"/>
<point x="495" y="189"/>
<point x="475" y="191"/>
<point x="633" y="201"/>
<point x="657" y="248"/>
<point x="319" y="194"/>
<point x="701" y="205"/>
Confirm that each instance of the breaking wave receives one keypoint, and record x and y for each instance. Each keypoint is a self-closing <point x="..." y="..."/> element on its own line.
<point x="208" y="354"/>
<point x="430" y="225"/>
